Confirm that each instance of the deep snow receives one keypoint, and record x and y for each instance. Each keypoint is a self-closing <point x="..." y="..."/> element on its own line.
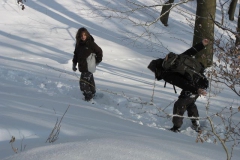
<point x="37" y="86"/>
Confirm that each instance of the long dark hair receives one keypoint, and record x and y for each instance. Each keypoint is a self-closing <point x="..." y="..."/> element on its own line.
<point x="79" y="33"/>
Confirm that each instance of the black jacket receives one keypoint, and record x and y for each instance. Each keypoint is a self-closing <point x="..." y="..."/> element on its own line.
<point x="83" y="50"/>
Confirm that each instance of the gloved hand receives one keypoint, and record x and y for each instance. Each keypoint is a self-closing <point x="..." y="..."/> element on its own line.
<point x="74" y="68"/>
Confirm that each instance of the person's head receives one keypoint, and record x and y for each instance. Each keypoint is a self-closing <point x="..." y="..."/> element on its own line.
<point x="82" y="35"/>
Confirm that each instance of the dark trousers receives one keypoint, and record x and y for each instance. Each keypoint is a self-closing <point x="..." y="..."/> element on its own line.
<point x="180" y="106"/>
<point x="87" y="84"/>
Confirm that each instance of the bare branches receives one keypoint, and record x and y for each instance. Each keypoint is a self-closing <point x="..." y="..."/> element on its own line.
<point x="133" y="8"/>
<point x="220" y="25"/>
<point x="11" y="142"/>
<point x="145" y="18"/>
<point x="158" y="18"/>
<point x="226" y="69"/>
<point x="154" y="84"/>
<point x="56" y="130"/>
<point x="218" y="137"/>
<point x="230" y="131"/>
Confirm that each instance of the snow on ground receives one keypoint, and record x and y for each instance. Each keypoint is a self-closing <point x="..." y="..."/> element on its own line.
<point x="37" y="85"/>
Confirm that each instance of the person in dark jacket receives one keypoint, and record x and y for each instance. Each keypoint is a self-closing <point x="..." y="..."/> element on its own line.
<point x="191" y="90"/>
<point x="84" y="47"/>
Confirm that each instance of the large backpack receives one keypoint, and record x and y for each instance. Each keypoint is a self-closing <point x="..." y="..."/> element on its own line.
<point x="156" y="67"/>
<point x="183" y="64"/>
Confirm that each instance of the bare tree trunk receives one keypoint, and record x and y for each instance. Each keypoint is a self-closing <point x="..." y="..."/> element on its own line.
<point x="166" y="12"/>
<point x="204" y="28"/>
<point x="238" y="28"/>
<point x="232" y="9"/>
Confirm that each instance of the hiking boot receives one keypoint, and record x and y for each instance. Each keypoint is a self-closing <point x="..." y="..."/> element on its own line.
<point x="196" y="127"/>
<point x="175" y="129"/>
<point x="88" y="98"/>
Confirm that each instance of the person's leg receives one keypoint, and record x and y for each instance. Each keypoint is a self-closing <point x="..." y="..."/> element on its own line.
<point x="92" y="86"/>
<point x="179" y="109"/>
<point x="193" y="112"/>
<point x="86" y="85"/>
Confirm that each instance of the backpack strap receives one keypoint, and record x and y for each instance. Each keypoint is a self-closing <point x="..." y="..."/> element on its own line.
<point x="173" y="87"/>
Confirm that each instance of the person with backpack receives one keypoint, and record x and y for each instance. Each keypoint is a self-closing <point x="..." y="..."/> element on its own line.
<point x="185" y="72"/>
<point x="87" y="55"/>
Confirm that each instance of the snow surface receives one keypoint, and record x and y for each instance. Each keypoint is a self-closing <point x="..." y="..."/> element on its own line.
<point x="37" y="86"/>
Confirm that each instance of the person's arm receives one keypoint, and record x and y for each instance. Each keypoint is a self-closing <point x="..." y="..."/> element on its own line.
<point x="74" y="60"/>
<point x="98" y="51"/>
<point x="196" y="48"/>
